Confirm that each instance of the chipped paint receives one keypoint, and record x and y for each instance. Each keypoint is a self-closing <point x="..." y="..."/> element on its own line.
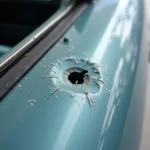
<point x="31" y="102"/>
<point x="61" y="70"/>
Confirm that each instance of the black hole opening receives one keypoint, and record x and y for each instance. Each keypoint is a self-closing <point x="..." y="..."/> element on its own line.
<point x="77" y="77"/>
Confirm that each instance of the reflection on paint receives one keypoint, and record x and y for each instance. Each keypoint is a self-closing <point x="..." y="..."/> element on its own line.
<point x="120" y="25"/>
<point x="111" y="102"/>
<point x="101" y="146"/>
<point x="133" y="65"/>
<point x="100" y="4"/>
<point x="112" y="97"/>
<point x="69" y="124"/>
<point x="111" y="115"/>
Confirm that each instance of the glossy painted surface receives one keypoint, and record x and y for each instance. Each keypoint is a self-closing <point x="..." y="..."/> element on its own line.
<point x="4" y="49"/>
<point x="109" y="34"/>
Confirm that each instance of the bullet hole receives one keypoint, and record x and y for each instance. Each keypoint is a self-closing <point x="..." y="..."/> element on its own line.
<point x="77" y="77"/>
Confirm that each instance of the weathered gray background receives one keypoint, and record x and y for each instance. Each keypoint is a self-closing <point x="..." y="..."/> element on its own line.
<point x="145" y="141"/>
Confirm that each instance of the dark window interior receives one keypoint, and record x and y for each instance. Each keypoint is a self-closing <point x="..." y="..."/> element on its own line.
<point x="18" y="19"/>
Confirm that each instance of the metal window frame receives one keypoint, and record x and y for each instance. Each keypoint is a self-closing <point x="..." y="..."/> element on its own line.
<point x="35" y="36"/>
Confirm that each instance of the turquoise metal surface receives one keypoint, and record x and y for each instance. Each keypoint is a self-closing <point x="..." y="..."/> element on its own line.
<point x="38" y="115"/>
<point x="4" y="49"/>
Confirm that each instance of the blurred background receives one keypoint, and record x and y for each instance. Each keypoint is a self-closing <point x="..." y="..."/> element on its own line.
<point x="145" y="141"/>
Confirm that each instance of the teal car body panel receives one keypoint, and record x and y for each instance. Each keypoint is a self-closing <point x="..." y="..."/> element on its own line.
<point x="4" y="49"/>
<point x="37" y="115"/>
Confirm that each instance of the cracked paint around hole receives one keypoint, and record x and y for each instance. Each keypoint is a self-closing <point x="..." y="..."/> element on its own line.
<point x="76" y="76"/>
<point x="63" y="70"/>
